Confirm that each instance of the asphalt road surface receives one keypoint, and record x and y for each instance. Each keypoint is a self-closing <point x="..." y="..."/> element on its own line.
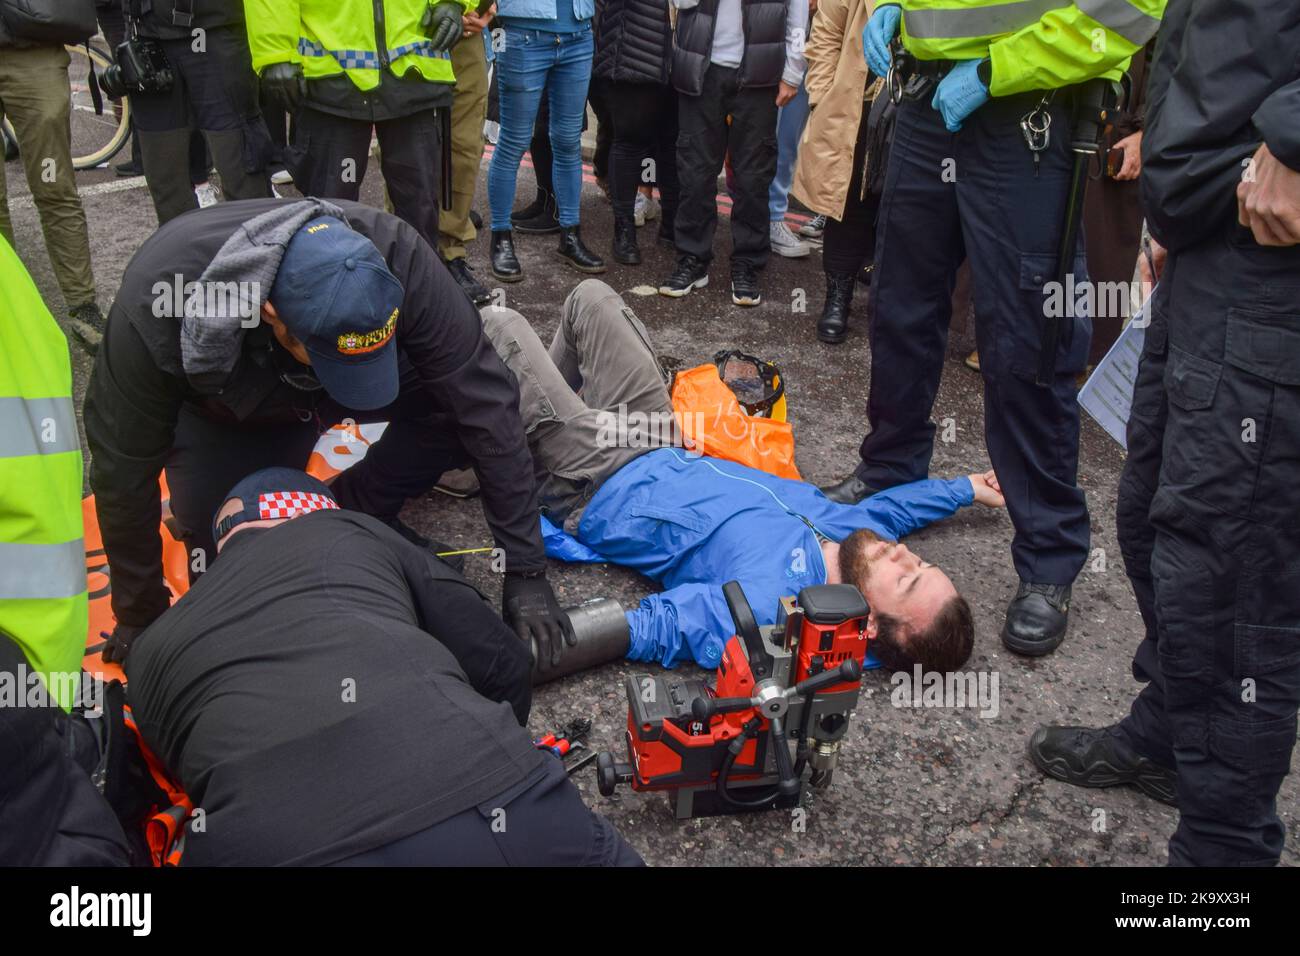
<point x="913" y="785"/>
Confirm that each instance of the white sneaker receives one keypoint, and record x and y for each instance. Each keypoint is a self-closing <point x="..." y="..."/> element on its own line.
<point x="206" y="193"/>
<point x="282" y="177"/>
<point x="646" y="209"/>
<point x="786" y="243"/>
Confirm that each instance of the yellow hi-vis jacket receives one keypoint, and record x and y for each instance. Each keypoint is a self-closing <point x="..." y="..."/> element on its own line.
<point x="42" y="557"/>
<point x="356" y="37"/>
<point x="1032" y="44"/>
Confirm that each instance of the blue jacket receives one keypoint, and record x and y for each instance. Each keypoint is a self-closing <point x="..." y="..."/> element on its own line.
<point x="693" y="523"/>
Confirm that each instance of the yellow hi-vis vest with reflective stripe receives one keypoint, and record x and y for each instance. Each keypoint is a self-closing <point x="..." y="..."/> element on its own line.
<point x="42" y="557"/>
<point x="1032" y="44"/>
<point x="329" y="37"/>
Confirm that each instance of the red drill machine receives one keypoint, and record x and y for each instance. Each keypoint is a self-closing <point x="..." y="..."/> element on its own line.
<point x="789" y="686"/>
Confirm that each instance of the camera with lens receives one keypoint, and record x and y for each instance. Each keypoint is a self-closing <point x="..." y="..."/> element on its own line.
<point x="141" y="67"/>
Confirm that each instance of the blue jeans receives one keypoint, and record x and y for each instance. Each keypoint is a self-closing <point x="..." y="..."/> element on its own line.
<point x="533" y="62"/>
<point x="789" y="130"/>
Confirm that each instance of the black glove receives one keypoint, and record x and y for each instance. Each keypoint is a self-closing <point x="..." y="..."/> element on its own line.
<point x="118" y="644"/>
<point x="528" y="605"/>
<point x="443" y="25"/>
<point x="283" y="85"/>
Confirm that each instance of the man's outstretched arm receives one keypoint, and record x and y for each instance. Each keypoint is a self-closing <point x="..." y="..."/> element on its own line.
<point x="900" y="510"/>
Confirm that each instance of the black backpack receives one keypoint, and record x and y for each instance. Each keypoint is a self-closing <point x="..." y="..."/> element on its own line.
<point x="49" y="21"/>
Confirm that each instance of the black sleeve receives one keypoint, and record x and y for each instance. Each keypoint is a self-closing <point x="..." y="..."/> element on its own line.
<point x="498" y="664"/>
<point x="130" y="420"/>
<point x="1219" y="64"/>
<point x="1278" y="119"/>
<point x="441" y="333"/>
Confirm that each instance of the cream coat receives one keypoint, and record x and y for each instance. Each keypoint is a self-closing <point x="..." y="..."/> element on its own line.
<point x="837" y="75"/>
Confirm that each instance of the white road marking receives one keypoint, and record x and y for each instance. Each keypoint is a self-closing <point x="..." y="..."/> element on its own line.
<point x="95" y="189"/>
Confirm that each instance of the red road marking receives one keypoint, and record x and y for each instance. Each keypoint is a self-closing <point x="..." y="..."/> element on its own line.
<point x="723" y="200"/>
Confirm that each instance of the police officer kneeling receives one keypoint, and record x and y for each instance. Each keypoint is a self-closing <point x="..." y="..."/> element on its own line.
<point x="241" y="331"/>
<point x="330" y="693"/>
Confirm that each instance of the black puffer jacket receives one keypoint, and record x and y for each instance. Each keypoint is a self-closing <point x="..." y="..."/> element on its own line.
<point x="634" y="41"/>
<point x="764" y="58"/>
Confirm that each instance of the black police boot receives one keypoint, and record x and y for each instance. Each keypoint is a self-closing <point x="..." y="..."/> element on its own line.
<point x="576" y="254"/>
<point x="539" y="219"/>
<point x="833" y="326"/>
<point x="626" y="249"/>
<point x="1037" y="618"/>
<point x="505" y="265"/>
<point x="477" y="291"/>
<point x="1095" y="757"/>
<point x="849" y="491"/>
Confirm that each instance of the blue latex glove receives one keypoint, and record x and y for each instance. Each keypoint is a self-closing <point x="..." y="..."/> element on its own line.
<point x="878" y="34"/>
<point x="959" y="94"/>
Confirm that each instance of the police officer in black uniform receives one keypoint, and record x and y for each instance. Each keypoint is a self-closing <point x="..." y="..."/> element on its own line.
<point x="1207" y="515"/>
<point x="968" y="178"/>
<point x="243" y="330"/>
<point x="213" y="88"/>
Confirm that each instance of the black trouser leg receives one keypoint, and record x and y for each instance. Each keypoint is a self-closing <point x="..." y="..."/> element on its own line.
<point x="207" y="460"/>
<point x="410" y="155"/>
<point x="546" y="824"/>
<point x="849" y="243"/>
<point x="752" y="146"/>
<point x="329" y="154"/>
<point x="1145" y="729"/>
<point x="222" y="94"/>
<point x="666" y="154"/>
<point x="601" y="97"/>
<point x="918" y="249"/>
<point x="633" y="139"/>
<point x="1225" y="556"/>
<point x="701" y="147"/>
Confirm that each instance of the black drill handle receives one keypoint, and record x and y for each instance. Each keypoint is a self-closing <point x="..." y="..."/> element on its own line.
<point x="788" y="784"/>
<point x="610" y="773"/>
<point x="742" y="615"/>
<point x="702" y="708"/>
<point x="850" y="670"/>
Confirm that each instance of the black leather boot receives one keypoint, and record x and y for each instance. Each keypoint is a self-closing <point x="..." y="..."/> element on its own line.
<point x="505" y="265"/>
<point x="539" y="219"/>
<point x="833" y="326"/>
<point x="626" y="249"/>
<point x="1037" y="618"/>
<point x="1096" y="757"/>
<point x="849" y="491"/>
<point x="576" y="254"/>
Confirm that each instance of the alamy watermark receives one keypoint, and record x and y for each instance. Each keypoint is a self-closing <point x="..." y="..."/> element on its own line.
<point x="211" y="299"/>
<point x="951" y="690"/>
<point x="25" y="687"/>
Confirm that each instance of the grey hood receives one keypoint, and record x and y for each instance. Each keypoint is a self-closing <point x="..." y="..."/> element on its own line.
<point x="212" y="333"/>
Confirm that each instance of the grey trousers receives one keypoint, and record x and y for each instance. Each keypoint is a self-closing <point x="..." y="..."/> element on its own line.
<point x="592" y="402"/>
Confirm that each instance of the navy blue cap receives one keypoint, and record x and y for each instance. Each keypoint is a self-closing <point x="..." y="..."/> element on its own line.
<point x="273" y="493"/>
<point x="336" y="294"/>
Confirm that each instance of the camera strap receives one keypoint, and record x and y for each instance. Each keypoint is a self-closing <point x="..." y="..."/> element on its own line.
<point x="96" y="97"/>
<point x="182" y="13"/>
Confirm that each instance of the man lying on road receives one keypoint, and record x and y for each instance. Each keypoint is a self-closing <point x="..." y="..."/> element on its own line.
<point x="330" y="693"/>
<point x="635" y="497"/>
